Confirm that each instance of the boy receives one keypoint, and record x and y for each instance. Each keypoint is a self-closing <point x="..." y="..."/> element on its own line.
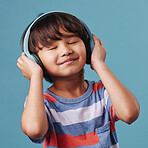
<point x="73" y="112"/>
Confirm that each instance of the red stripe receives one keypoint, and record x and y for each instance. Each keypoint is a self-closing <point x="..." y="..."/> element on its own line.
<point x="50" y="139"/>
<point x="69" y="141"/>
<point x="49" y="98"/>
<point x="113" y="114"/>
<point x="114" y="117"/>
<point x="97" y="86"/>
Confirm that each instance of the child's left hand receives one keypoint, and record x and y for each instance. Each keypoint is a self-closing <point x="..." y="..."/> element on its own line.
<point x="99" y="53"/>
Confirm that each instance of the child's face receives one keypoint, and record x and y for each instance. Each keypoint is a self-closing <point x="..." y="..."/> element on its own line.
<point x="65" y="57"/>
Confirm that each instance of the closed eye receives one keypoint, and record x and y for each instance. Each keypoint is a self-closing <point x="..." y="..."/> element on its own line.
<point x="53" y="48"/>
<point x="73" y="42"/>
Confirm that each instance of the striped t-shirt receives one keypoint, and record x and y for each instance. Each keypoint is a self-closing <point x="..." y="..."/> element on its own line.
<point x="84" y="122"/>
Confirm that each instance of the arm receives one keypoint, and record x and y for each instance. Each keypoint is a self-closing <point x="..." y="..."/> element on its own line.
<point x="125" y="103"/>
<point x="34" y="120"/>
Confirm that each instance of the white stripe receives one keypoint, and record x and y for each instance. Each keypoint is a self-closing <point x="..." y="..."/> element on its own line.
<point x="78" y="115"/>
<point x="115" y="146"/>
<point x="47" y="111"/>
<point x="106" y="95"/>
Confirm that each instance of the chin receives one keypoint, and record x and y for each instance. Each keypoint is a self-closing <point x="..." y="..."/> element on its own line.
<point x="72" y="73"/>
<point x="75" y="72"/>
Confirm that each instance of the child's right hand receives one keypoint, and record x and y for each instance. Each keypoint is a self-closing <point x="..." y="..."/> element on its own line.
<point x="28" y="67"/>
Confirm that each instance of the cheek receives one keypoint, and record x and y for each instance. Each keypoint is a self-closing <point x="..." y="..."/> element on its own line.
<point x="82" y="52"/>
<point x="47" y="59"/>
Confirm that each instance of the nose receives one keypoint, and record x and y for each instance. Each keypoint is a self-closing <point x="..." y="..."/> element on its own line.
<point x="65" y="50"/>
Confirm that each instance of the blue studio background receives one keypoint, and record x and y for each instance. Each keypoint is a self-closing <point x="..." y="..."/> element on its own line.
<point x="122" y="27"/>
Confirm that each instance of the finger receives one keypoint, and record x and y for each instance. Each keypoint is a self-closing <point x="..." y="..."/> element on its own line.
<point x="23" y="56"/>
<point x="23" y="53"/>
<point x="18" y="65"/>
<point x="101" y="43"/>
<point x="97" y="40"/>
<point x="20" y="61"/>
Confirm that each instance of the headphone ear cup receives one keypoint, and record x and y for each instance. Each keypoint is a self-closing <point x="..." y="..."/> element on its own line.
<point x="37" y="60"/>
<point x="90" y="44"/>
<point x="88" y="53"/>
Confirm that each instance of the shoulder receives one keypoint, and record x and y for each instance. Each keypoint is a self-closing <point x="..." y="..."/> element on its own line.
<point x="99" y="92"/>
<point x="96" y="85"/>
<point x="48" y="96"/>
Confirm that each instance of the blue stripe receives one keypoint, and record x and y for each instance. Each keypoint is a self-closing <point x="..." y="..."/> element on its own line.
<point x="79" y="128"/>
<point x="61" y="107"/>
<point x="114" y="138"/>
<point x="108" y="107"/>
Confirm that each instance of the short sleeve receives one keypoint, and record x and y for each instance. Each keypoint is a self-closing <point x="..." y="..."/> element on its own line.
<point x="110" y="107"/>
<point x="37" y="141"/>
<point x="104" y="96"/>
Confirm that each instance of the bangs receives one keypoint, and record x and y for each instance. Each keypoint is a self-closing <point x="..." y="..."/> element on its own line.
<point x="47" y="29"/>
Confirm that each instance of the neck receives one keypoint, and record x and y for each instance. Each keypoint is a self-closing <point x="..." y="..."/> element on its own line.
<point x="71" y="87"/>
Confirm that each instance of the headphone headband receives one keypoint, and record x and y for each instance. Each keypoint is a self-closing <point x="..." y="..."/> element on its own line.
<point x="26" y="38"/>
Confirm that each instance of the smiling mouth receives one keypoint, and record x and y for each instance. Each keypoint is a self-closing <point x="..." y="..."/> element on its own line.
<point x="69" y="61"/>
